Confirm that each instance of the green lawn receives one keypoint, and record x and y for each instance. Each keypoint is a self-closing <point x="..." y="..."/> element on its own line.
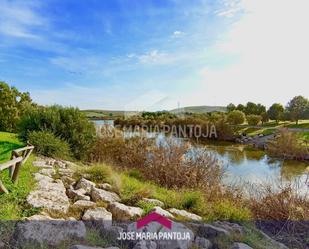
<point x="13" y="205"/>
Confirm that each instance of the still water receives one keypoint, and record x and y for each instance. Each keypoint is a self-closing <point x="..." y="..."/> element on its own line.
<point x="247" y="165"/>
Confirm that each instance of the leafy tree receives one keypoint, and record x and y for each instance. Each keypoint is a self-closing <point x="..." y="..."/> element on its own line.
<point x="230" y="107"/>
<point x="236" y="117"/>
<point x="275" y="112"/>
<point x="68" y="124"/>
<point x="253" y="119"/>
<point x="260" y="109"/>
<point x="12" y="106"/>
<point x="251" y="108"/>
<point x="265" y="117"/>
<point x="240" y="107"/>
<point x="297" y="108"/>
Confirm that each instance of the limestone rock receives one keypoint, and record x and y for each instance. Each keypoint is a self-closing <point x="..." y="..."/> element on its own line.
<point x="103" y="195"/>
<point x="85" y="184"/>
<point x="162" y="212"/>
<point x="98" y="214"/>
<point x="122" y="212"/>
<point x="48" y="172"/>
<point x="240" y="246"/>
<point x="202" y="243"/>
<point x="185" y="214"/>
<point x="81" y="204"/>
<point x="49" y="195"/>
<point x="35" y="234"/>
<point x="210" y="231"/>
<point x="145" y="245"/>
<point x="105" y="186"/>
<point x="154" y="202"/>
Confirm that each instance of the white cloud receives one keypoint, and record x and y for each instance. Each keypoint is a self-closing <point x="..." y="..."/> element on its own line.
<point x="271" y="41"/>
<point x="178" y="34"/>
<point x="18" y="18"/>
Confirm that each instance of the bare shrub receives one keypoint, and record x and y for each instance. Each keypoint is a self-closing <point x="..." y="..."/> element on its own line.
<point x="169" y="164"/>
<point x="287" y="145"/>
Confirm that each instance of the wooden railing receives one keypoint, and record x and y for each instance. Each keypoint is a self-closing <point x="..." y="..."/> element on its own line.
<point x="18" y="158"/>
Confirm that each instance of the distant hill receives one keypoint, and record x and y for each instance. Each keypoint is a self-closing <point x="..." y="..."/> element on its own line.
<point x="103" y="114"/>
<point x="108" y="114"/>
<point x="200" y="109"/>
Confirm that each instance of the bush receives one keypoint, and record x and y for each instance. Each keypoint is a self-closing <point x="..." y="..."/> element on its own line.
<point x="69" y="124"/>
<point x="253" y="119"/>
<point x="236" y="117"/>
<point x="47" y="144"/>
<point x="287" y="145"/>
<point x="170" y="164"/>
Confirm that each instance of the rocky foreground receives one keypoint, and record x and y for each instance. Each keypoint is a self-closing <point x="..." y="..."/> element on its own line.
<point x="69" y="209"/>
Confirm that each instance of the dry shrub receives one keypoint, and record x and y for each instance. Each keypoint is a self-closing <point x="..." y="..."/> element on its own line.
<point x="283" y="213"/>
<point x="287" y="145"/>
<point x="169" y="164"/>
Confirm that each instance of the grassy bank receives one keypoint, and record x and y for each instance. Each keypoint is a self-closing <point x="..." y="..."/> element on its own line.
<point x="13" y="205"/>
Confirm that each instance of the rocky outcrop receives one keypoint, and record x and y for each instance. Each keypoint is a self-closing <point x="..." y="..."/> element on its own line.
<point x="49" y="195"/>
<point x="162" y="212"/>
<point x="103" y="195"/>
<point x="185" y="215"/>
<point x="122" y="212"/>
<point x="85" y="185"/>
<point x="153" y="202"/>
<point x="38" y="233"/>
<point x="145" y="245"/>
<point x="98" y="214"/>
<point x="82" y="204"/>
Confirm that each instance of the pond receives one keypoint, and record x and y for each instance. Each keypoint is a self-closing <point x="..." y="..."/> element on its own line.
<point x="247" y="165"/>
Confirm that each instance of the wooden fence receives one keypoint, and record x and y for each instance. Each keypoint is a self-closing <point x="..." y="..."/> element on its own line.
<point x="18" y="158"/>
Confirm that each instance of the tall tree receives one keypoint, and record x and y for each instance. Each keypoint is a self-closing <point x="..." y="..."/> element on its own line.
<point x="275" y="112"/>
<point x="231" y="107"/>
<point x="297" y="108"/>
<point x="12" y="104"/>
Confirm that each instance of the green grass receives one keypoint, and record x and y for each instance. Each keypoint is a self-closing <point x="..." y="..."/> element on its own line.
<point x="13" y="206"/>
<point x="8" y="142"/>
<point x="256" y="131"/>
<point x="132" y="190"/>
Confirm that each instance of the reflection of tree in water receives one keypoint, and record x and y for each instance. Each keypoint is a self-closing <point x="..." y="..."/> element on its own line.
<point x="292" y="169"/>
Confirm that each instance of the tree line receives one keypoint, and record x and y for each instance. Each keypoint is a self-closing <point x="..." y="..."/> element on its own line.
<point x="296" y="109"/>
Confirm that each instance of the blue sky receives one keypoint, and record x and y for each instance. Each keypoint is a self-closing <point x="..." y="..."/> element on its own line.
<point x="143" y="54"/>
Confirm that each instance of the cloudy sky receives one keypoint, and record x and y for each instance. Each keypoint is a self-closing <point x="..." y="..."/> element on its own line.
<point x="155" y="54"/>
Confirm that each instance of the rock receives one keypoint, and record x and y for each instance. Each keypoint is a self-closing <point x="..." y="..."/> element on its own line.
<point x="39" y="177"/>
<point x="162" y="212"/>
<point x="66" y="172"/>
<point x="231" y="227"/>
<point x="90" y="247"/>
<point x="240" y="246"/>
<point x="98" y="214"/>
<point x="85" y="184"/>
<point x="78" y="194"/>
<point x="183" y="243"/>
<point x="41" y="164"/>
<point x="145" y="245"/>
<point x="36" y="234"/>
<point x="48" y="172"/>
<point x="41" y="217"/>
<point x="49" y="195"/>
<point x="105" y="186"/>
<point x="210" y="231"/>
<point x="122" y="212"/>
<point x="67" y="181"/>
<point x="154" y="202"/>
<point x="2" y="245"/>
<point x="61" y="164"/>
<point x="202" y="243"/>
<point x="82" y="204"/>
<point x="103" y="195"/>
<point x="185" y="214"/>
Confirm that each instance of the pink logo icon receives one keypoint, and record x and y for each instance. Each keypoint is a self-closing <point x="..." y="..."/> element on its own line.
<point x="154" y="217"/>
